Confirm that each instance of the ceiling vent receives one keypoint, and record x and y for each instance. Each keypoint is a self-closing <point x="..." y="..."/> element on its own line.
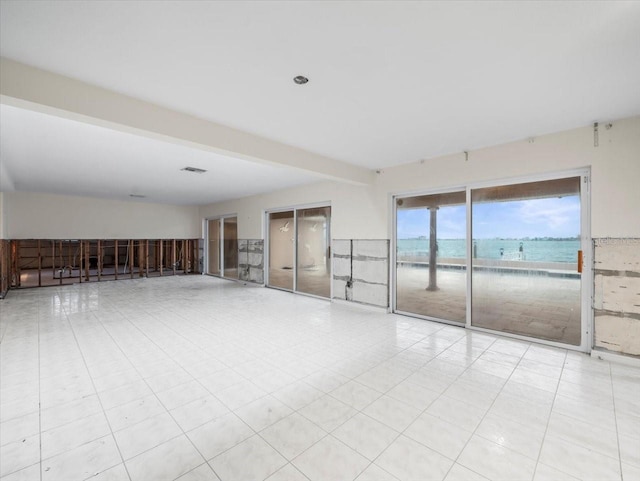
<point x="195" y="170"/>
<point x="137" y="196"/>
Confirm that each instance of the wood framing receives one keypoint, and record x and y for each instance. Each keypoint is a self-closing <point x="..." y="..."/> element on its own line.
<point x="131" y="254"/>
<point x="115" y="257"/>
<point x="173" y="255"/>
<point x="87" y="256"/>
<point x="39" y="263"/>
<point x="99" y="260"/>
<point x="31" y="263"/>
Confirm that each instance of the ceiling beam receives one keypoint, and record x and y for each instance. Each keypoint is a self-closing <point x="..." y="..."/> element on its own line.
<point x="35" y="89"/>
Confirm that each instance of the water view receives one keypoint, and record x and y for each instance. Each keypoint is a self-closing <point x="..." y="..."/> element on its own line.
<point x="534" y="250"/>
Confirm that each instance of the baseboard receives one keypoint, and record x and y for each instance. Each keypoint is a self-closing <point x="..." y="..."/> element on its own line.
<point x="616" y="357"/>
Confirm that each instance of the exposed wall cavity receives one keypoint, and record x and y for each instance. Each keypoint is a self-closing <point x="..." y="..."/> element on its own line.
<point x="251" y="260"/>
<point x="361" y="271"/>
<point x="616" y="300"/>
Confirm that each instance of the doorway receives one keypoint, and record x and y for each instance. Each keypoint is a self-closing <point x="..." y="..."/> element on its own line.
<point x="431" y="256"/>
<point x="299" y="254"/>
<point x="222" y="247"/>
<point x="525" y="277"/>
<point x="505" y="257"/>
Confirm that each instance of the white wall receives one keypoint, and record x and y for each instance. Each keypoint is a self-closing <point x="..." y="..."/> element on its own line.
<point x="46" y="216"/>
<point x="348" y="202"/>
<point x="363" y="212"/>
<point x="615" y="169"/>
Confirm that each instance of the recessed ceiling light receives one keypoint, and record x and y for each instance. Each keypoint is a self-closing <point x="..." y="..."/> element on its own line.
<point x="300" y="79"/>
<point x="195" y="170"/>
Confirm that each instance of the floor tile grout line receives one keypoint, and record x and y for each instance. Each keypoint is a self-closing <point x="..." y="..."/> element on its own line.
<point x="289" y="461"/>
<point x="327" y="433"/>
<point x="455" y="461"/>
<point x="546" y="427"/>
<point x="383" y="394"/>
<point x="213" y="394"/>
<point x="389" y="356"/>
<point x="588" y="422"/>
<point x="424" y="410"/>
<point x="36" y="322"/>
<point x="73" y="331"/>
<point x="488" y="409"/>
<point x="39" y="396"/>
<point x="615" y="420"/>
<point x="153" y="393"/>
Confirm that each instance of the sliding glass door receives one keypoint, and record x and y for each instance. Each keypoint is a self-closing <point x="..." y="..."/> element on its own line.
<point x="526" y="240"/>
<point x="230" y="247"/>
<point x="281" y="250"/>
<point x="431" y="255"/>
<point x="213" y="252"/>
<point x="313" y="264"/>
<point x="502" y="257"/>
<point x="222" y="247"/>
<point x="299" y="250"/>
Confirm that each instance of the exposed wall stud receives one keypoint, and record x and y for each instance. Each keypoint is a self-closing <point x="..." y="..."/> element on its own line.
<point x="99" y="260"/>
<point x="131" y="254"/>
<point x="39" y="264"/>
<point x="87" y="257"/>
<point x="65" y="261"/>
<point x="15" y="256"/>
<point x="53" y="259"/>
<point x="146" y="258"/>
<point x="185" y="256"/>
<point x="117" y="258"/>
<point x="80" y="266"/>
<point x="173" y="255"/>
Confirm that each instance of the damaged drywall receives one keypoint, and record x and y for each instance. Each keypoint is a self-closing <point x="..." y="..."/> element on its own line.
<point x="361" y="271"/>
<point x="616" y="299"/>
<point x="251" y="260"/>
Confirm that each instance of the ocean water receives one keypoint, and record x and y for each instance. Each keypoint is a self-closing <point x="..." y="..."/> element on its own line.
<point x="532" y="250"/>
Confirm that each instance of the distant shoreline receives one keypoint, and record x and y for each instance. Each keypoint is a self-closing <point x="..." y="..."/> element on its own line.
<point x="529" y="239"/>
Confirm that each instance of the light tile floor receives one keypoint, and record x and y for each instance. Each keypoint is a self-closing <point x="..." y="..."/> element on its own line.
<point x="197" y="378"/>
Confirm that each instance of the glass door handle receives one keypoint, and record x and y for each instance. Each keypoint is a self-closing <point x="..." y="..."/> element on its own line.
<point x="580" y="262"/>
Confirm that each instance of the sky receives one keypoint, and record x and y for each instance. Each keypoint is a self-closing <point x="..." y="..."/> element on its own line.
<point x="549" y="217"/>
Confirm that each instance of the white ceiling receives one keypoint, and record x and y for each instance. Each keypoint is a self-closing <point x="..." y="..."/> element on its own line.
<point x="390" y="82"/>
<point x="43" y="153"/>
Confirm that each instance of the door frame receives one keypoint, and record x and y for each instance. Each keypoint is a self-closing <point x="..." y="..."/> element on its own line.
<point x="586" y="288"/>
<point x="267" y="241"/>
<point x="220" y="219"/>
<point x="394" y="252"/>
